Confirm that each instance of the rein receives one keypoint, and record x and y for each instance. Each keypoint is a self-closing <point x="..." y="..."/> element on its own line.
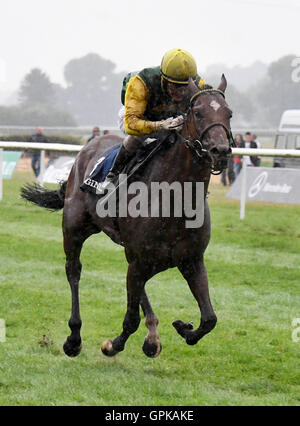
<point x="196" y="145"/>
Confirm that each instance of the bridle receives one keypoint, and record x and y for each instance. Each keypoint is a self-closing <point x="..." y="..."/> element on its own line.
<point x="196" y="145"/>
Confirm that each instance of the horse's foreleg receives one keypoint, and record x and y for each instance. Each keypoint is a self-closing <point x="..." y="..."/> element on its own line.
<point x="72" y="246"/>
<point x="196" y="276"/>
<point x="135" y="286"/>
<point x="152" y="346"/>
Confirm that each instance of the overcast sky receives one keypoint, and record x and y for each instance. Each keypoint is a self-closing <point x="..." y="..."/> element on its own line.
<point x="136" y="33"/>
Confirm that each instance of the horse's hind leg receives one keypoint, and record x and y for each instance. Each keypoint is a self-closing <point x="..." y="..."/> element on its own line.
<point x="135" y="285"/>
<point x="152" y="346"/>
<point x="196" y="276"/>
<point x="73" y="242"/>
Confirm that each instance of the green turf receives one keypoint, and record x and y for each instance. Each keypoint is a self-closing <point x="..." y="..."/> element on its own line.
<point x="249" y="359"/>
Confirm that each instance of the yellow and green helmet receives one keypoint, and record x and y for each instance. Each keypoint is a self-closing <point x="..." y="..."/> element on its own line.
<point x="177" y="66"/>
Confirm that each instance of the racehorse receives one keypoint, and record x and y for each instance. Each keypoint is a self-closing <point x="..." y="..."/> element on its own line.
<point x="152" y="244"/>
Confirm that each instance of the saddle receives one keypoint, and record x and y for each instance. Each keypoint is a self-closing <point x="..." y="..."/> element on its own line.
<point x="143" y="155"/>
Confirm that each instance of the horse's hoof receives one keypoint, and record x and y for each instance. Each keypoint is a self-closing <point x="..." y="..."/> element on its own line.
<point x="152" y="350"/>
<point x="182" y="327"/>
<point x="191" y="340"/>
<point x="70" y="349"/>
<point x="108" y="350"/>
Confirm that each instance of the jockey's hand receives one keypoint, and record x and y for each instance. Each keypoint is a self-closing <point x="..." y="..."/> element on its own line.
<point x="172" y="123"/>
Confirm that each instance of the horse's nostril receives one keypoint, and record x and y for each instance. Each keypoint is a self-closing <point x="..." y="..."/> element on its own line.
<point x="221" y="150"/>
<point x="214" y="151"/>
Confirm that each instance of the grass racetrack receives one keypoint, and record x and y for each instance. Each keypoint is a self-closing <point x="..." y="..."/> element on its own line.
<point x="250" y="357"/>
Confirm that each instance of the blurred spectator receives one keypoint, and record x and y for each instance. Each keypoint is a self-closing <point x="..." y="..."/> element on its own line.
<point x="228" y="173"/>
<point x="258" y="145"/>
<point x="96" y="132"/>
<point x="254" y="138"/>
<point x="36" y="155"/>
<point x="238" y="159"/>
<point x="249" y="143"/>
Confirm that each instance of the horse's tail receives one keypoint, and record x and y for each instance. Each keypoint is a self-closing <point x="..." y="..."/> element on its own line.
<point x="49" y="199"/>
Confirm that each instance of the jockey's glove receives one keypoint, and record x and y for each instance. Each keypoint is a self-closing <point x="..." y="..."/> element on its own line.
<point x="172" y="123"/>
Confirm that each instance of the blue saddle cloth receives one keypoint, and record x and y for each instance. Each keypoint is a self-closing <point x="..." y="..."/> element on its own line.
<point x="105" y="162"/>
<point x="101" y="169"/>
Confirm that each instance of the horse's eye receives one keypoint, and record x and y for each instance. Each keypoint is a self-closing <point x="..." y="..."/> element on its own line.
<point x="198" y="115"/>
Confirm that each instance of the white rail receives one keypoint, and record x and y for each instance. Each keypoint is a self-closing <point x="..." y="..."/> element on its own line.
<point x="41" y="146"/>
<point x="76" y="148"/>
<point x="261" y="152"/>
<point x="34" y="146"/>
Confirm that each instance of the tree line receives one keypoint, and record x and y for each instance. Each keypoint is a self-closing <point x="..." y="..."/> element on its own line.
<point x="93" y="86"/>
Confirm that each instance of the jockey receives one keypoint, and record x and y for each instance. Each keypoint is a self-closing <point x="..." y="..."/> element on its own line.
<point x="96" y="132"/>
<point x="154" y="99"/>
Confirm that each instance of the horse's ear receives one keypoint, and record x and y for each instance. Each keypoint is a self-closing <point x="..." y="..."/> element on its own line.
<point x="223" y="84"/>
<point x="192" y="87"/>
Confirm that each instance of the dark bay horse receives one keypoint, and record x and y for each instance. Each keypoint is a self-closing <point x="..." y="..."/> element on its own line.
<point x="152" y="244"/>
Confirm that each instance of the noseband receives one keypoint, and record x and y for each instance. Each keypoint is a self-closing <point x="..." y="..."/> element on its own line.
<point x="197" y="144"/>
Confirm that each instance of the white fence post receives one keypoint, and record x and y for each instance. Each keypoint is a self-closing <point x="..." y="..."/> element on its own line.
<point x="42" y="167"/>
<point x="1" y="174"/>
<point x="243" y="190"/>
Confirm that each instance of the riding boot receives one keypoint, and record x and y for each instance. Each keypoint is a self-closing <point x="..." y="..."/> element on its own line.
<point x="120" y="161"/>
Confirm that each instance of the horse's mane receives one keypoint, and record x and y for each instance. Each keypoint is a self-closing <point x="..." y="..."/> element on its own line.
<point x="207" y="86"/>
